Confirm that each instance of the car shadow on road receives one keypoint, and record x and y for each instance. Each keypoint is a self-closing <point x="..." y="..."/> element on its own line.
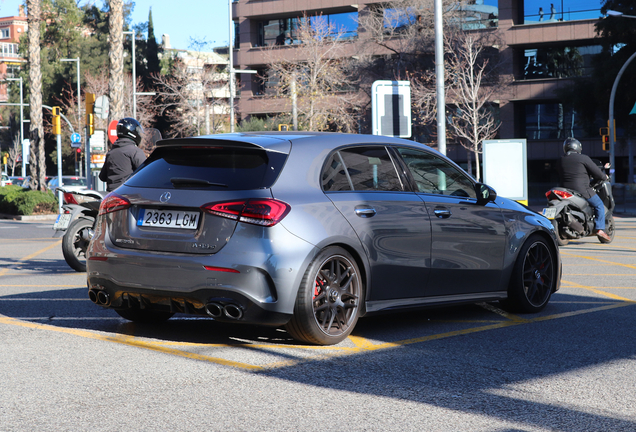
<point x="500" y="372"/>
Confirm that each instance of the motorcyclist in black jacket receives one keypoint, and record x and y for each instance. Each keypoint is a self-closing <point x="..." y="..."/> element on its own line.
<point x="576" y="169"/>
<point x="124" y="157"/>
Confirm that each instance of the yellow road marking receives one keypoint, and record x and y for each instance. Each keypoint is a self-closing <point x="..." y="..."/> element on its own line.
<point x="598" y="291"/>
<point x="130" y="341"/>
<point x="501" y="312"/>
<point x="33" y="255"/>
<point x="599" y="260"/>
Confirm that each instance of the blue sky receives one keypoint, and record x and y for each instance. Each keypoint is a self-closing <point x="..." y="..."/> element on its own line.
<point x="181" y="19"/>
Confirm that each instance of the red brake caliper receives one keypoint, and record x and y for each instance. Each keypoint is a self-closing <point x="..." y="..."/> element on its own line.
<point x="318" y="288"/>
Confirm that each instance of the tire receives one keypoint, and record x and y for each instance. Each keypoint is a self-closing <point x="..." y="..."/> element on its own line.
<point x="74" y="244"/>
<point x="329" y="299"/>
<point x="609" y="229"/>
<point x="560" y="240"/>
<point x="534" y="277"/>
<point x="144" y="315"/>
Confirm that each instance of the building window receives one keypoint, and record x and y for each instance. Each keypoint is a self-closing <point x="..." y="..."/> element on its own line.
<point x="5" y="34"/>
<point x="559" y="62"/>
<point x="237" y="35"/>
<point x="9" y="49"/>
<point x="285" y="31"/>
<point x="480" y="15"/>
<point x="567" y="10"/>
<point x="546" y="121"/>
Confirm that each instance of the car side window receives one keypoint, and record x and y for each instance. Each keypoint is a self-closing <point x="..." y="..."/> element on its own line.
<point x="334" y="177"/>
<point x="434" y="175"/>
<point x="370" y="169"/>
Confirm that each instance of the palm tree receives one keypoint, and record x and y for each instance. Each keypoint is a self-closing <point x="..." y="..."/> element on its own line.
<point x="116" y="57"/>
<point x="37" y="164"/>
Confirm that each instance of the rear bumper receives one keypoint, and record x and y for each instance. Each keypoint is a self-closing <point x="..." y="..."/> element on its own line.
<point x="206" y="302"/>
<point x="259" y="271"/>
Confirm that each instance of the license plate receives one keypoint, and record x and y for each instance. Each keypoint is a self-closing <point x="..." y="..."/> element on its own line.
<point x="549" y="212"/>
<point x="168" y="219"/>
<point x="62" y="222"/>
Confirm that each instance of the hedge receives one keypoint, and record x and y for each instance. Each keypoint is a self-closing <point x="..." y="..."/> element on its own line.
<point x="15" y="200"/>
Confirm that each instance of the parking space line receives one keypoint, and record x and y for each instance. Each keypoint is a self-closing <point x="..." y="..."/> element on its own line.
<point x="33" y="255"/>
<point x="362" y="344"/>
<point x="501" y="312"/>
<point x="130" y="341"/>
<point x="598" y="260"/>
<point x="598" y="291"/>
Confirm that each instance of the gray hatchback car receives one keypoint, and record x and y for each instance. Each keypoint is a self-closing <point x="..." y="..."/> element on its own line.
<point x="311" y="231"/>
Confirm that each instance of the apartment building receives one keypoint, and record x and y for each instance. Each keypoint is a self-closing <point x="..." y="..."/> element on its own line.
<point x="545" y="47"/>
<point x="11" y="28"/>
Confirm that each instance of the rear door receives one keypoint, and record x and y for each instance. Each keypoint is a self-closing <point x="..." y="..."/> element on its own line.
<point x="468" y="239"/>
<point x="392" y="223"/>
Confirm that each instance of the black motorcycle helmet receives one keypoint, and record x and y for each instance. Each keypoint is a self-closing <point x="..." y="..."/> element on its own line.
<point x="572" y="145"/>
<point x="130" y="128"/>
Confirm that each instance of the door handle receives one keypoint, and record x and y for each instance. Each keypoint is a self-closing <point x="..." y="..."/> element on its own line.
<point x="442" y="213"/>
<point x="365" y="212"/>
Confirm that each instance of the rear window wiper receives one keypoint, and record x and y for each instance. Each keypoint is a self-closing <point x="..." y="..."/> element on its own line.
<point x="178" y="181"/>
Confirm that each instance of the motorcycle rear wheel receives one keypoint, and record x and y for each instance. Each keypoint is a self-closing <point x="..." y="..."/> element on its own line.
<point x="609" y="230"/>
<point x="560" y="240"/>
<point x="74" y="244"/>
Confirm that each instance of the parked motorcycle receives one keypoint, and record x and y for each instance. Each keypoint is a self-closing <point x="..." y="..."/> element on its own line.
<point x="75" y="224"/>
<point x="573" y="217"/>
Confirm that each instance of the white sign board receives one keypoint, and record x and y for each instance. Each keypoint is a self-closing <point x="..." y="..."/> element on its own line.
<point x="391" y="108"/>
<point x="506" y="167"/>
<point x="98" y="141"/>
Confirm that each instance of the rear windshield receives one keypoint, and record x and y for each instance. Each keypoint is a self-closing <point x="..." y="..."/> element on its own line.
<point x="209" y="168"/>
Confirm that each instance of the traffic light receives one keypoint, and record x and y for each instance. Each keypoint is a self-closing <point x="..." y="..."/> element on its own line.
<point x="57" y="124"/>
<point x="90" y="124"/>
<point x="283" y="127"/>
<point x="90" y="108"/>
<point x="604" y="132"/>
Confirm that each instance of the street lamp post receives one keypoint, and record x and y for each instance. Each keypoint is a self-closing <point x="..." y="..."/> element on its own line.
<point x="439" y="75"/>
<point x="611" y="103"/>
<point x="134" y="74"/>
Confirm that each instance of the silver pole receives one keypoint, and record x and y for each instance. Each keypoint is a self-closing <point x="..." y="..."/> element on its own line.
<point x="22" y="128"/>
<point x="134" y="74"/>
<point x="231" y="71"/>
<point x="611" y="117"/>
<point x="439" y="74"/>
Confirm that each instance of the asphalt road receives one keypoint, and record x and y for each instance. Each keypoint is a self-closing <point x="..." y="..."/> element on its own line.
<point x="68" y="365"/>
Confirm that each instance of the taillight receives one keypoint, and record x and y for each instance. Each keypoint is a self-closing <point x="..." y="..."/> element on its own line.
<point x="558" y="193"/>
<point x="258" y="211"/>
<point x="113" y="202"/>
<point x="69" y="198"/>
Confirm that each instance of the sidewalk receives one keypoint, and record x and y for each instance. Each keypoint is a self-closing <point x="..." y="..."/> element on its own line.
<point x="26" y="218"/>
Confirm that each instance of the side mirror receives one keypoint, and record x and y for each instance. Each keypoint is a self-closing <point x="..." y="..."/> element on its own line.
<point x="485" y="194"/>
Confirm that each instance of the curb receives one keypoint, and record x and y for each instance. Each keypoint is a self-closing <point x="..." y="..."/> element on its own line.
<point x="26" y="218"/>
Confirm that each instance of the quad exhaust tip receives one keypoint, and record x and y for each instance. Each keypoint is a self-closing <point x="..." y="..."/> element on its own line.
<point x="230" y="310"/>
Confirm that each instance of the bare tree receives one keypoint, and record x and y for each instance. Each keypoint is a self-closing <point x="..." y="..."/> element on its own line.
<point x="474" y="82"/>
<point x="98" y="85"/>
<point x="403" y="30"/>
<point x="14" y="152"/>
<point x="183" y="95"/>
<point x="116" y="58"/>
<point x="317" y="81"/>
